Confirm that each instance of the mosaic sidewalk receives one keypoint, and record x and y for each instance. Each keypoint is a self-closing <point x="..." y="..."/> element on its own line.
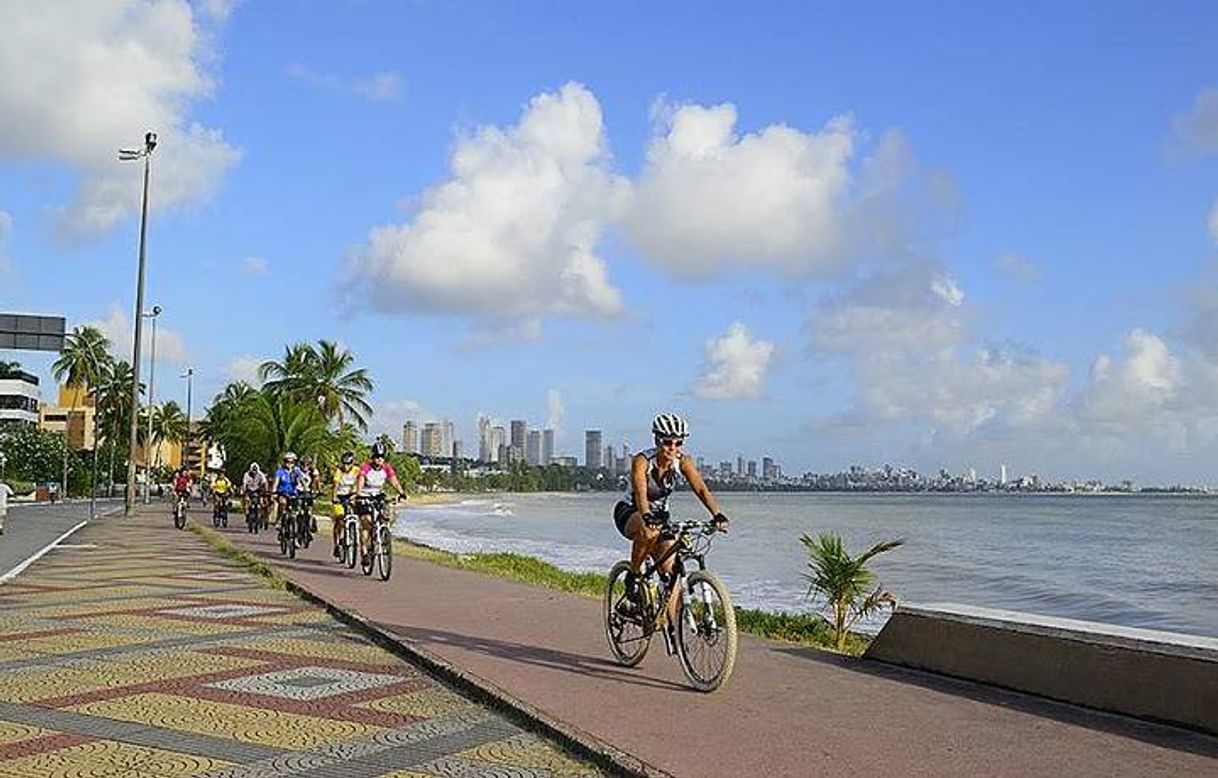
<point x="137" y="651"/>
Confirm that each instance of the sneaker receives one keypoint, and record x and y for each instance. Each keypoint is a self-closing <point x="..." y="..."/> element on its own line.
<point x="338" y="552"/>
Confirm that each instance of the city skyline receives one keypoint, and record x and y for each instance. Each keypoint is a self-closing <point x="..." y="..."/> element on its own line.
<point x="862" y="237"/>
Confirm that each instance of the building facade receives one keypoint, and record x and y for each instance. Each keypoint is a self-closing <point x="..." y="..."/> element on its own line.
<point x="19" y="398"/>
<point x="547" y="447"/>
<point x="432" y="442"/>
<point x="592" y="448"/>
<point x="532" y="447"/>
<point x="74" y="416"/>
<point x="410" y="437"/>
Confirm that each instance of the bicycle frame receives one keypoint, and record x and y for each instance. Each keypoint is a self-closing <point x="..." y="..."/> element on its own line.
<point x="683" y="548"/>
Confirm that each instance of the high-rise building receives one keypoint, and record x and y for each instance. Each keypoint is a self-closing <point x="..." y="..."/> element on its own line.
<point x="433" y="439"/>
<point x="547" y="447"/>
<point x="1002" y="475"/>
<point x="486" y="440"/>
<point x="410" y="437"/>
<point x="752" y="471"/>
<point x="592" y="448"/>
<point x="740" y="465"/>
<point x="456" y="450"/>
<point x="610" y="461"/>
<point x="768" y="471"/>
<point x="519" y="431"/>
<point x="532" y="447"/>
<point x="448" y="434"/>
<point x="498" y="444"/>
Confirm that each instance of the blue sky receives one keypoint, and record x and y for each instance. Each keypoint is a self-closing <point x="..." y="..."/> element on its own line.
<point x="954" y="238"/>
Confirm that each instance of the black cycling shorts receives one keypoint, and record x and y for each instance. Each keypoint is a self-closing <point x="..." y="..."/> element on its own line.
<point x="621" y="514"/>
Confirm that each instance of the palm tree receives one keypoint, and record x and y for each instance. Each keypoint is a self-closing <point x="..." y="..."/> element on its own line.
<point x="844" y="580"/>
<point x="82" y="362"/>
<point x="322" y="375"/>
<point x="287" y="377"/>
<point x="114" y="404"/>
<point x="169" y="423"/>
<point x="340" y="391"/>
<point x="9" y="369"/>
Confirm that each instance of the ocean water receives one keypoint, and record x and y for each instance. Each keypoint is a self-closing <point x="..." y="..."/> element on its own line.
<point x="1138" y="561"/>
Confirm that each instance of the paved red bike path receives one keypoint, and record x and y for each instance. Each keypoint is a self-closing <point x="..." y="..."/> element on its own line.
<point x="786" y="711"/>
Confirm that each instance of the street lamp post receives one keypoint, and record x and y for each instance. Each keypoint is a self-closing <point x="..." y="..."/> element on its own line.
<point x="153" y="314"/>
<point x="130" y="155"/>
<point x="189" y="375"/>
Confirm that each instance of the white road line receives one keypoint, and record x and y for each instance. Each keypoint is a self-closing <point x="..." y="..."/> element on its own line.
<point x="16" y="571"/>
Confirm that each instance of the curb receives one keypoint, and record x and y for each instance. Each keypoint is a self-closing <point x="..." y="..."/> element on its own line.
<point x="572" y="738"/>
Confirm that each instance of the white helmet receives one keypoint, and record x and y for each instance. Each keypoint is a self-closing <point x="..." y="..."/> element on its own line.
<point x="669" y="425"/>
<point x="254" y="467"/>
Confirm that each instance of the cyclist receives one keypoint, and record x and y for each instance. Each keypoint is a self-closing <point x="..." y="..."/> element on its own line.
<point x="253" y="485"/>
<point x="307" y="485"/>
<point x="183" y="482"/>
<point x="345" y="477"/>
<point x="371" y="482"/>
<point x="220" y="487"/>
<point x="643" y="510"/>
<point x="283" y="486"/>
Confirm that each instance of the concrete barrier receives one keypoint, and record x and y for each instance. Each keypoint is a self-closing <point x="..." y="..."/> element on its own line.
<point x="1162" y="676"/>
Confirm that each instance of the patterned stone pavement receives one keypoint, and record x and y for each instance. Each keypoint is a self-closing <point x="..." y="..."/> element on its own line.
<point x="137" y="651"/>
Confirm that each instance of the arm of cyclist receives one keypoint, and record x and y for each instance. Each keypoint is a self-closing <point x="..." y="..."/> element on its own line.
<point x="638" y="485"/>
<point x="698" y="486"/>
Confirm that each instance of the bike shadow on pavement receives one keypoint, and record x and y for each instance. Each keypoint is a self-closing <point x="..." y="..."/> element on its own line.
<point x="1154" y="733"/>
<point x="593" y="667"/>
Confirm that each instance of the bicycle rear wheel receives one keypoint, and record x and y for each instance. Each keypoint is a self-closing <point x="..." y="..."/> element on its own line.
<point x="706" y="632"/>
<point x="179" y="516"/>
<point x="384" y="557"/>
<point x="625" y="623"/>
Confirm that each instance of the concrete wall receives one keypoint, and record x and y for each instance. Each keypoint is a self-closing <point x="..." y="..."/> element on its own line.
<point x="1154" y="675"/>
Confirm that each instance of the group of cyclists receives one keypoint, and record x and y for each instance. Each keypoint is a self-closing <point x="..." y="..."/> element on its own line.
<point x="300" y="480"/>
<point x="638" y="516"/>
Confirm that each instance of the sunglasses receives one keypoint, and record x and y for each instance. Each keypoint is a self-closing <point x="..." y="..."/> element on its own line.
<point x="678" y="442"/>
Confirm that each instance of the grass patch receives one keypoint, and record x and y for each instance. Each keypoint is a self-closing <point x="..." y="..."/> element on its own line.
<point x="799" y="628"/>
<point x="242" y="558"/>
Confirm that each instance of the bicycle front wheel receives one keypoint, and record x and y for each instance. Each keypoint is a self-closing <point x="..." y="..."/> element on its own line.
<point x="384" y="557"/>
<point x="351" y="544"/>
<point x="706" y="632"/>
<point x="625" y="622"/>
<point x="179" y="517"/>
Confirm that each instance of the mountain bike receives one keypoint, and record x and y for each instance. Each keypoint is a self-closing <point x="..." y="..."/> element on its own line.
<point x="304" y="519"/>
<point x="348" y="539"/>
<point x="219" y="511"/>
<point x="254" y="518"/>
<point x="692" y="610"/>
<point x="380" y="552"/>
<point x="179" y="511"/>
<point x="288" y="520"/>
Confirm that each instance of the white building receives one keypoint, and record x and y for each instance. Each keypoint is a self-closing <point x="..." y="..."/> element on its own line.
<point x="547" y="446"/>
<point x="19" y="398"/>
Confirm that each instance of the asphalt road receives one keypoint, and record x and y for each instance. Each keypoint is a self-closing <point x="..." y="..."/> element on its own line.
<point x="30" y="528"/>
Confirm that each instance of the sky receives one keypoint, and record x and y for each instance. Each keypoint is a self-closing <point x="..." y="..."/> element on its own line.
<point x="956" y="236"/>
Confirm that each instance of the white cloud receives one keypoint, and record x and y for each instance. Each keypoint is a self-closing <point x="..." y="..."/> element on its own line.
<point x="217" y="10"/>
<point x="904" y="333"/>
<point x="1213" y="223"/>
<point x="1018" y="267"/>
<point x="512" y="234"/>
<point x="378" y="87"/>
<point x="117" y="327"/>
<point x="736" y="366"/>
<point x="778" y="198"/>
<point x="244" y="368"/>
<point x="254" y="265"/>
<point x="1198" y="128"/>
<point x="389" y="417"/>
<point x="88" y="78"/>
<point x="554" y="410"/>
<point x="1129" y="393"/>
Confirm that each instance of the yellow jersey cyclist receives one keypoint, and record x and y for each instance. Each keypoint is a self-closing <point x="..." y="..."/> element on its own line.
<point x="221" y="487"/>
<point x="643" y="510"/>
<point x="345" y="477"/>
<point x="370" y="482"/>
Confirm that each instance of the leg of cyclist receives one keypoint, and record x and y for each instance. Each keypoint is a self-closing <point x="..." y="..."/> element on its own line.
<point x="337" y="521"/>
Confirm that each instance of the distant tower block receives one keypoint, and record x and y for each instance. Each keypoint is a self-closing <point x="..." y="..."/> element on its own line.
<point x="1002" y="475"/>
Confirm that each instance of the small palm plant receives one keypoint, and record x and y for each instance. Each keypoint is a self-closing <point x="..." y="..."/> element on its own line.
<point x="844" y="581"/>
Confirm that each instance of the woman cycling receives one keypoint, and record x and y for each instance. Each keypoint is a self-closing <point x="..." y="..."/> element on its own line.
<point x="643" y="510"/>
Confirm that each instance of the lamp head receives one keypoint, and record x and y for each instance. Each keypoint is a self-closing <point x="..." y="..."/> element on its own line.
<point x="149" y="141"/>
<point x="156" y="310"/>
